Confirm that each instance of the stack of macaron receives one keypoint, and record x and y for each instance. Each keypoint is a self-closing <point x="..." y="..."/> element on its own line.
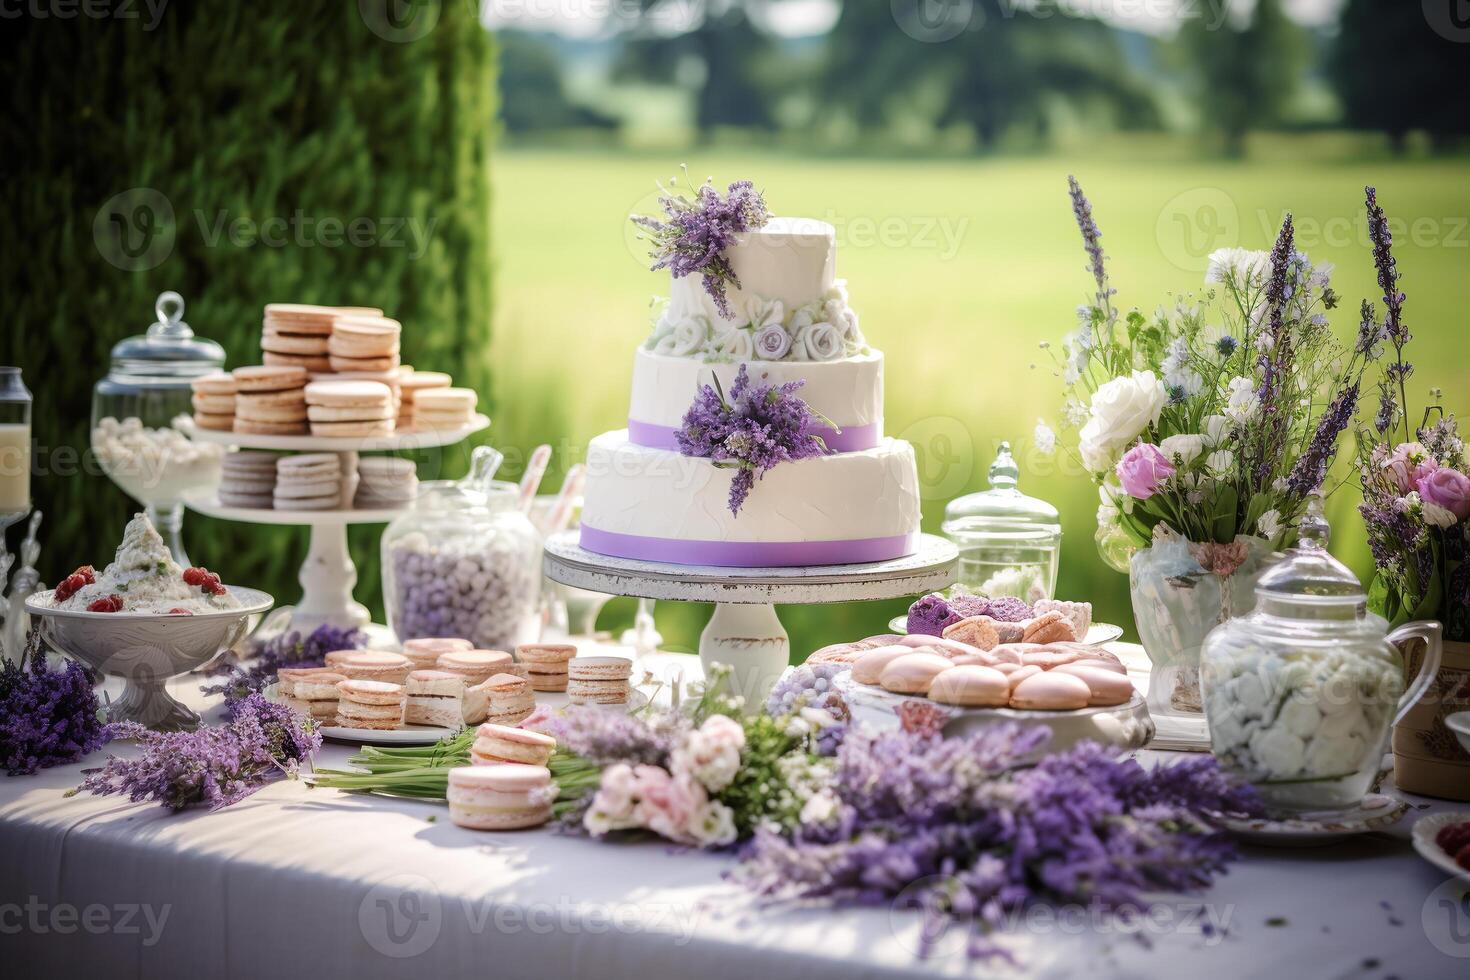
<point x="364" y="343"/>
<point x="270" y="400"/>
<point x="599" y="680"/>
<point x="310" y="691"/>
<point x="214" y="401"/>
<point x="444" y="408"/>
<point x="374" y="705"/>
<point x="248" y="479"/>
<point x="505" y="745"/>
<point x="425" y="651"/>
<point x="434" y="697"/>
<point x="508" y="699"/>
<point x="500" y="797"/>
<point x="349" y="408"/>
<point x="410" y="383"/>
<point x="475" y="666"/>
<point x="370" y="665"/>
<point x="308" y="481"/>
<point x="546" y="664"/>
<point x="385" y="483"/>
<point x="299" y="335"/>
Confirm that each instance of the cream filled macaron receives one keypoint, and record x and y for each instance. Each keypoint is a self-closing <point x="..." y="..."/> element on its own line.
<point x="971" y="686"/>
<point x="477" y="666"/>
<point x="912" y="674"/>
<point x="500" y="797"/>
<point x="496" y="744"/>
<point x="869" y="667"/>
<point x="375" y="665"/>
<point x="1107" y="687"/>
<point x="1051" y="691"/>
<point x="425" y="651"/>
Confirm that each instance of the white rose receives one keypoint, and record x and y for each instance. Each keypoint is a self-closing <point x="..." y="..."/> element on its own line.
<point x="1439" y="516"/>
<point x="1217" y="427"/>
<point x="1121" y="409"/>
<point x="1221" y="463"/>
<point x="1268" y="525"/>
<point x="1183" y="448"/>
<point x="764" y="313"/>
<point x="1243" y="403"/>
<point x="735" y="343"/>
<point x="690" y="336"/>
<point x="821" y="342"/>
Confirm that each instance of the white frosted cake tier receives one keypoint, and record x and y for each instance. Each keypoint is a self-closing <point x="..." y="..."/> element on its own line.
<point x="657" y="505"/>
<point x="848" y="391"/>
<point x="793" y="260"/>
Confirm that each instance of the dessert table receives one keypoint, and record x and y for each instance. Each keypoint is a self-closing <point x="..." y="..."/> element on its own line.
<point x="298" y="881"/>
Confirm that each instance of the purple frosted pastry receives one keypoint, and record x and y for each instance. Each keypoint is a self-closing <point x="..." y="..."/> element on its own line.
<point x="930" y="615"/>
<point x="1005" y="609"/>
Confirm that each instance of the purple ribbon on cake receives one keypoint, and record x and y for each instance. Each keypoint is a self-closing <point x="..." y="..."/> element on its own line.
<point x="748" y="554"/>
<point x="851" y="439"/>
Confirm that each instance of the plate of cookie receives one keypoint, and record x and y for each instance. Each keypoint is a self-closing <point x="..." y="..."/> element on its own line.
<point x="1014" y="620"/>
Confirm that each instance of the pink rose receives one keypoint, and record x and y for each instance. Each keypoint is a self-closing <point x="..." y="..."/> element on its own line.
<point x="1143" y="470"/>
<point x="667" y="804"/>
<point x="1446" y="488"/>
<point x="1407" y="464"/>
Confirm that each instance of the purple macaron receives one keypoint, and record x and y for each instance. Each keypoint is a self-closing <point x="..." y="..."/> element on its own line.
<point x="930" y="615"/>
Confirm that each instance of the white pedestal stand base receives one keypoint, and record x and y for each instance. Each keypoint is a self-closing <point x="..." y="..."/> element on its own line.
<point x="744" y="631"/>
<point x="327" y="579"/>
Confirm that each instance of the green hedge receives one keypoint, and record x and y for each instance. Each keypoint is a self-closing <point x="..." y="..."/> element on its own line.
<point x="209" y="123"/>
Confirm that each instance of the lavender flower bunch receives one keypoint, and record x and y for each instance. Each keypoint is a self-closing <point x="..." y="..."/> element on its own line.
<point x="1416" y="491"/>
<point x="48" y="717"/>
<point x="695" y="231"/>
<point x="289" y="649"/>
<point x="953" y="828"/>
<point x="756" y="428"/>
<point x="214" y="766"/>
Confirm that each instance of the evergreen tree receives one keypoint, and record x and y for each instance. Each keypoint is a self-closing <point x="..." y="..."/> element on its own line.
<point x="1246" y="69"/>
<point x="1394" y="69"/>
<point x="222" y="113"/>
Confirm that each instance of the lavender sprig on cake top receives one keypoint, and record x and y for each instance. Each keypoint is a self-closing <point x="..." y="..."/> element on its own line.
<point x="695" y="232"/>
<point x="758" y="427"/>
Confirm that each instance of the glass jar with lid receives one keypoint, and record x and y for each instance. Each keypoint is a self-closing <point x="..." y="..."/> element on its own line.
<point x="465" y="561"/>
<point x="15" y="448"/>
<point x="1009" y="543"/>
<point x="135" y="413"/>
<point x="1299" y="694"/>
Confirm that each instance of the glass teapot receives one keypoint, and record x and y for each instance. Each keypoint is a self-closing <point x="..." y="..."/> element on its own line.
<point x="1300" y="694"/>
<point x="134" y="410"/>
<point x="465" y="562"/>
<point x="1009" y="543"/>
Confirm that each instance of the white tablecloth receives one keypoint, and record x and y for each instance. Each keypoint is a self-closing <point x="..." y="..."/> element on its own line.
<point x="315" y="883"/>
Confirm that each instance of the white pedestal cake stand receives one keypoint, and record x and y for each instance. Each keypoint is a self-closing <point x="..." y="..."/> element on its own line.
<point x="744" y="631"/>
<point x="328" y="575"/>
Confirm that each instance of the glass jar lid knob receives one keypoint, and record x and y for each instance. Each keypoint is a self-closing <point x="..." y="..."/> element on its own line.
<point x="1004" y="474"/>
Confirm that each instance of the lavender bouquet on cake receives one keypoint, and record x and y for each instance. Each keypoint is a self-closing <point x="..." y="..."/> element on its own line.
<point x="756" y="428"/>
<point x="1416" y="494"/>
<point x="695" y="231"/>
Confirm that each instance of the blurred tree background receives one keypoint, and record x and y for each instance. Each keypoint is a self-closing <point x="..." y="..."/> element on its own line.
<point x="955" y="122"/>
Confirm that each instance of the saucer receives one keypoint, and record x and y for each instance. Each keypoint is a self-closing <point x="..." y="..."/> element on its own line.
<point x="1319" y="829"/>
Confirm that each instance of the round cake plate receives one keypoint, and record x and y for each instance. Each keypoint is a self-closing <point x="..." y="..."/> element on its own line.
<point x="1097" y="633"/>
<point x="745" y="632"/>
<point x="1318" y="830"/>
<point x="328" y="575"/>
<point x="1425" y="830"/>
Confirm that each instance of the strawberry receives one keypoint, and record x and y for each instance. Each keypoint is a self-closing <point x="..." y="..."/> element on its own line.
<point x="74" y="582"/>
<point x="176" y="611"/>
<point x="204" y="580"/>
<point x="107" y="604"/>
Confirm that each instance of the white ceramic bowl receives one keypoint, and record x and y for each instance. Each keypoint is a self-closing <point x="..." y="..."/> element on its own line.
<point x="146" y="649"/>
<point x="1459" y="723"/>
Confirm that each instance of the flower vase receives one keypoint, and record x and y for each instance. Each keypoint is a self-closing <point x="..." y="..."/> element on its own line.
<point x="1181" y="590"/>
<point x="1427" y="758"/>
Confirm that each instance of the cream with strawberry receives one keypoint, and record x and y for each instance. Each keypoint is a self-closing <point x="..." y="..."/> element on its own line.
<point x="144" y="578"/>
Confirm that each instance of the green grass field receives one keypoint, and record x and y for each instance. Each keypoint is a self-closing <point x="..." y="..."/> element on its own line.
<point x="958" y="269"/>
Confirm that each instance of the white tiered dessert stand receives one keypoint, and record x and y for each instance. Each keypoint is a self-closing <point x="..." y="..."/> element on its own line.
<point x="328" y="575"/>
<point x="744" y="631"/>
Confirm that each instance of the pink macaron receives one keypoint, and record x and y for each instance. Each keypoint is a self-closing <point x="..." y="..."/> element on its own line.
<point x="495" y="744"/>
<point x="1107" y="687"/>
<point x="971" y="686"/>
<point x="869" y="667"/>
<point x="1051" y="691"/>
<point x="914" y="673"/>
<point x="500" y="797"/>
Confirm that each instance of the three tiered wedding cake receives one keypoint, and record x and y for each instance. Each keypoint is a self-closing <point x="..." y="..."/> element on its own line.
<point x="721" y="462"/>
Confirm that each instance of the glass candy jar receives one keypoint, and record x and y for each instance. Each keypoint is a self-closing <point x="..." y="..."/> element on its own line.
<point x="465" y="562"/>
<point x="1009" y="543"/>
<point x="1300" y="693"/>
<point x="134" y="412"/>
